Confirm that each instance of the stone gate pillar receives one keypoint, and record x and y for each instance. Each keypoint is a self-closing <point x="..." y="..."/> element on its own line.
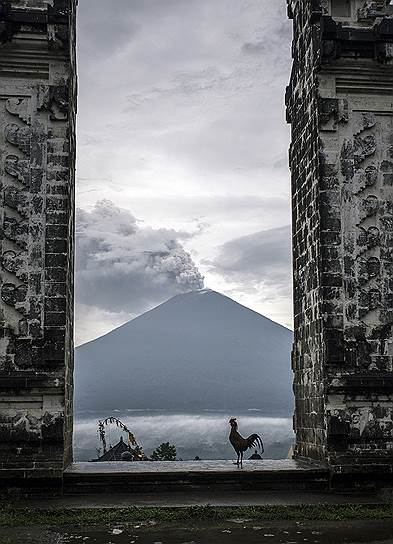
<point x="340" y="106"/>
<point x="37" y="156"/>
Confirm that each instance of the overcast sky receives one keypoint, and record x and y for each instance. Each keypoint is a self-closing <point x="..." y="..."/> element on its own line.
<point x="182" y="156"/>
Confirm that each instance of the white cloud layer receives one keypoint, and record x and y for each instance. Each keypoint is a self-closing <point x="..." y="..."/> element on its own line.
<point x="205" y="435"/>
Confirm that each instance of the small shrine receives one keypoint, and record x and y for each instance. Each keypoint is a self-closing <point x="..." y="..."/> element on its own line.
<point x="122" y="451"/>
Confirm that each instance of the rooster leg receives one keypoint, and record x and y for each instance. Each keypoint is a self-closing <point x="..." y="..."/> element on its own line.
<point x="238" y="458"/>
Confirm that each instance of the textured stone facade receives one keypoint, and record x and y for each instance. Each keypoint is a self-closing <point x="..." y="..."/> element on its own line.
<point x="340" y="106"/>
<point x="37" y="158"/>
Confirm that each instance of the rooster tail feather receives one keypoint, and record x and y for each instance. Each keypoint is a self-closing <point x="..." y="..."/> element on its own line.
<point x="261" y="445"/>
<point x="255" y="440"/>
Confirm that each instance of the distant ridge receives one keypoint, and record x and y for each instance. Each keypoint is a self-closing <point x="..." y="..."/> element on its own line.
<point x="199" y="350"/>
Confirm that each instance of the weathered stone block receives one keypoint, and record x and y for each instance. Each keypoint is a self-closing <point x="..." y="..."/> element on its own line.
<point x="343" y="267"/>
<point x="36" y="264"/>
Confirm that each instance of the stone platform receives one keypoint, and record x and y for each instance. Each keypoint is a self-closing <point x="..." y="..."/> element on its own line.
<point x="218" y="476"/>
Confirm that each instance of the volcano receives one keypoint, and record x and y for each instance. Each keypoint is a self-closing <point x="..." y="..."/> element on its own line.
<point x="197" y="351"/>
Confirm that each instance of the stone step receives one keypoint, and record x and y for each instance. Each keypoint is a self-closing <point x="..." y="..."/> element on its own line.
<point x="154" y="477"/>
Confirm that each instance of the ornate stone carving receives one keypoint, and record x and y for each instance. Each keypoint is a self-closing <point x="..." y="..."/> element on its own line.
<point x="342" y="183"/>
<point x="19" y="137"/>
<point x="373" y="237"/>
<point x="365" y="121"/>
<point x="37" y="112"/>
<point x="16" y="200"/>
<point x="373" y="267"/>
<point x="14" y="295"/>
<point x="59" y="102"/>
<point x="19" y="168"/>
<point x="16" y="231"/>
<point x="12" y="262"/>
<point x="332" y="111"/>
<point x="370" y="205"/>
<point x="19" y="107"/>
<point x="371" y="175"/>
<point x="364" y="147"/>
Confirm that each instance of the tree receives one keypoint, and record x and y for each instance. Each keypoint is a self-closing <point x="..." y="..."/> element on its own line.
<point x="164" y="452"/>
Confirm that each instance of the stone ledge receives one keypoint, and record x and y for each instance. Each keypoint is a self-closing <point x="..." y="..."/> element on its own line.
<point x="146" y="477"/>
<point x="160" y="467"/>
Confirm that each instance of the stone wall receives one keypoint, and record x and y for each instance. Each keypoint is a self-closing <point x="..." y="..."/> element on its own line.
<point x="37" y="163"/>
<point x="302" y="99"/>
<point x="340" y="105"/>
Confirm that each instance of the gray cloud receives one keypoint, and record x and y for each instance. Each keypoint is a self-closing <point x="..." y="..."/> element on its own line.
<point x="199" y="81"/>
<point x="258" y="261"/>
<point x="254" y="48"/>
<point x="181" y="116"/>
<point x="219" y="207"/>
<point x="100" y="33"/>
<point x="125" y="267"/>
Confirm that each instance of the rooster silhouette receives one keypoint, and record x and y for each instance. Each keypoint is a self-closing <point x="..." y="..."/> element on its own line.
<point x="240" y="444"/>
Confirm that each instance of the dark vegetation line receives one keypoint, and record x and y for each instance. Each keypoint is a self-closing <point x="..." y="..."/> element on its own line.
<point x="17" y="517"/>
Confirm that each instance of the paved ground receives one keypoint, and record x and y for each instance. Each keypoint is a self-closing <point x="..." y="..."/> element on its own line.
<point x="237" y="531"/>
<point x="268" y="465"/>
